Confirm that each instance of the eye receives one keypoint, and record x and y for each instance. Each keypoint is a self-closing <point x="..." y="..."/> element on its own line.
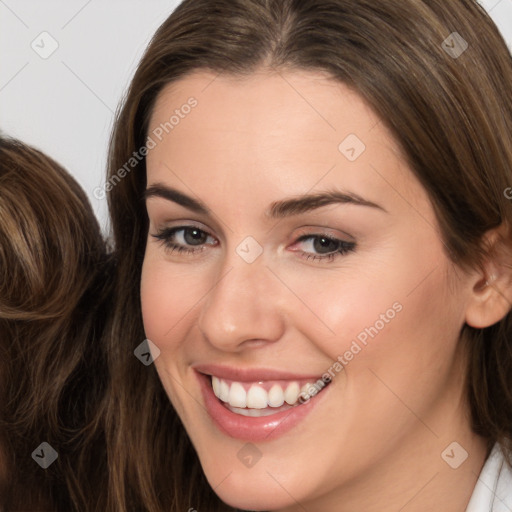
<point x="322" y="247"/>
<point x="189" y="239"/>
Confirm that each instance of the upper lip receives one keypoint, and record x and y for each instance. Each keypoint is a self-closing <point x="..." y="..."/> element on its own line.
<point x="250" y="374"/>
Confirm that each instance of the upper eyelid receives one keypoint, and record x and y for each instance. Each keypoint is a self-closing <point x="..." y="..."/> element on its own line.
<point x="175" y="229"/>
<point x="299" y="233"/>
<point x="335" y="234"/>
<point x="298" y="239"/>
<point x="168" y="226"/>
<point x="300" y="236"/>
<point x="315" y="231"/>
<point x="315" y="235"/>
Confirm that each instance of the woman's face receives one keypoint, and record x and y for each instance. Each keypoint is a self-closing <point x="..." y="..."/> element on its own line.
<point x="291" y="249"/>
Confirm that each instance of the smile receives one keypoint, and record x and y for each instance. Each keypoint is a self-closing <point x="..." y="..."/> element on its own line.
<point x="263" y="398"/>
<point x="257" y="407"/>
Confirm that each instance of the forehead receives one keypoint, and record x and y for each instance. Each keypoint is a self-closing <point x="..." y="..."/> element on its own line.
<point x="273" y="131"/>
<point x="315" y="100"/>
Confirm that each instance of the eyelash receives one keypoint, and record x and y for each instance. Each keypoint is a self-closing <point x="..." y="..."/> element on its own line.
<point x="344" y="248"/>
<point x="167" y="235"/>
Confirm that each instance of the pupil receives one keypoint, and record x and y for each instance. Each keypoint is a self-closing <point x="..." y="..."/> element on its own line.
<point x="195" y="236"/>
<point x="324" y="245"/>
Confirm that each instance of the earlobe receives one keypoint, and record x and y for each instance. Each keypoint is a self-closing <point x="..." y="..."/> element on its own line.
<point x="491" y="295"/>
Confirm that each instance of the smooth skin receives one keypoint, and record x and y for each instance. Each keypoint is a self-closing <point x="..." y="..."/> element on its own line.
<point x="374" y="440"/>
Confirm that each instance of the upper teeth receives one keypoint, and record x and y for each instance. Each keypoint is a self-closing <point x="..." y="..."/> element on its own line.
<point x="256" y="396"/>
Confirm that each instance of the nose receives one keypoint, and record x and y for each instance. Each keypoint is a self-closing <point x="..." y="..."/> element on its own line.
<point x="243" y="309"/>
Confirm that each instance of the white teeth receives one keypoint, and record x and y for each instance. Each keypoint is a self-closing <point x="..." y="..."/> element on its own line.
<point x="237" y="395"/>
<point x="276" y="396"/>
<point x="216" y="386"/>
<point x="292" y="393"/>
<point x="254" y="413"/>
<point x="257" y="398"/>
<point x="224" y="391"/>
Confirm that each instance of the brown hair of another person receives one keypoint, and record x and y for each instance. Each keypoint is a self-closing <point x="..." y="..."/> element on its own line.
<point x="55" y="290"/>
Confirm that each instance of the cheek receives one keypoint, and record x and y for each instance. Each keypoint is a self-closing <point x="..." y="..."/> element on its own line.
<point x="167" y="298"/>
<point x="154" y="301"/>
<point x="402" y="318"/>
<point x="344" y="312"/>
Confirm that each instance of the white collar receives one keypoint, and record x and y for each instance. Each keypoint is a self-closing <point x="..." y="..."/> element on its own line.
<point x="493" y="490"/>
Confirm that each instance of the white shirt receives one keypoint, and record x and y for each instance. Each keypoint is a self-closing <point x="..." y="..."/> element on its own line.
<point x="493" y="490"/>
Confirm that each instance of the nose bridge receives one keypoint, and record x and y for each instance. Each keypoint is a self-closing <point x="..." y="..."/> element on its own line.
<point x="242" y="305"/>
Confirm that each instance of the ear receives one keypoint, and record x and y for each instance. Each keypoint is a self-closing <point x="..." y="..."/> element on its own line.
<point x="491" y="294"/>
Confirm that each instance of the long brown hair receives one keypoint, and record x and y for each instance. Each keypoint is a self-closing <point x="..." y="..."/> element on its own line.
<point x="55" y="285"/>
<point x="450" y="113"/>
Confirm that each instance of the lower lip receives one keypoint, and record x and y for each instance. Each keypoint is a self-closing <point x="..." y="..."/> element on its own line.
<point x="248" y="428"/>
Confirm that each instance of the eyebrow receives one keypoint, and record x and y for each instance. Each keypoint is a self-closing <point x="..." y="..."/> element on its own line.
<point x="278" y="209"/>
<point x="306" y="203"/>
<point x="171" y="194"/>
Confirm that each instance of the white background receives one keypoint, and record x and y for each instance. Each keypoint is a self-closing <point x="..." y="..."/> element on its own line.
<point x="65" y="104"/>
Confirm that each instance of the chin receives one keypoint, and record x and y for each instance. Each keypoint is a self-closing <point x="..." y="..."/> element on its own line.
<point x="251" y="492"/>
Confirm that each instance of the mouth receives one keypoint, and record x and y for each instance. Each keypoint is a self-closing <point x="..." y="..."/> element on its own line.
<point x="264" y="398"/>
<point x="258" y="405"/>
